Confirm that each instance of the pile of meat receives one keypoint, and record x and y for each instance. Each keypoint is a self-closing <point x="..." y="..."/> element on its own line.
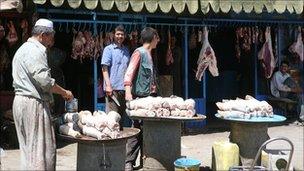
<point x="85" y="45"/>
<point x="244" y="108"/>
<point x="98" y="125"/>
<point x="162" y="107"/>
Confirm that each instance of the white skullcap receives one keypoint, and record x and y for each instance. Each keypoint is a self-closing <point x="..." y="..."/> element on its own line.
<point x="44" y="22"/>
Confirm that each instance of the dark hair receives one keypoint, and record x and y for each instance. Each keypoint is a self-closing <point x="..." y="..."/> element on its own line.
<point x="119" y="28"/>
<point x="147" y="34"/>
<point x="285" y="62"/>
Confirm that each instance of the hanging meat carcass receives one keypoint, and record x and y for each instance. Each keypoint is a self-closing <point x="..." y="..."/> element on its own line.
<point x="78" y="45"/>
<point x="89" y="45"/>
<point x="246" y="39"/>
<point x="192" y="40"/>
<point x="24" y="27"/>
<point x="133" y="39"/>
<point x="266" y="55"/>
<point x="96" y="47"/>
<point x="206" y="59"/>
<point x="109" y="38"/>
<point x="12" y="34"/>
<point x="297" y="47"/>
<point x="169" y="57"/>
<point x="238" y="34"/>
<point x="4" y="58"/>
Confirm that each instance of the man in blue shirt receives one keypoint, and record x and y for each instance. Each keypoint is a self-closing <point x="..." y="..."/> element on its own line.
<point x="115" y="60"/>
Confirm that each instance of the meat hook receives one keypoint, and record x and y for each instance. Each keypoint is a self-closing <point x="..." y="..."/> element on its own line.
<point x="128" y="28"/>
<point x="78" y="29"/>
<point x="67" y="28"/>
<point x="84" y="26"/>
<point x="73" y="25"/>
<point x="60" y="29"/>
<point x="181" y="29"/>
<point x="106" y="28"/>
<point x="100" y="29"/>
<point x="89" y="27"/>
<point x="110" y="28"/>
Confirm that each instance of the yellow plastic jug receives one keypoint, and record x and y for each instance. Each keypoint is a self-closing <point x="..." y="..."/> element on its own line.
<point x="224" y="155"/>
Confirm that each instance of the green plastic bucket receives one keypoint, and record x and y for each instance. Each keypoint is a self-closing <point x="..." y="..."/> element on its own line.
<point x="187" y="164"/>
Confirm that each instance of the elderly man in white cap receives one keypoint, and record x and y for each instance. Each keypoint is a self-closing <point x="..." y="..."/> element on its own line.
<point x="33" y="91"/>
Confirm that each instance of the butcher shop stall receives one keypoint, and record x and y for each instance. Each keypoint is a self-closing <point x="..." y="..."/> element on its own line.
<point x="214" y="62"/>
<point x="234" y="38"/>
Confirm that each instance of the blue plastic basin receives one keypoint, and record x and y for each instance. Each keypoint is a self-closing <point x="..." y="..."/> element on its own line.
<point x="187" y="164"/>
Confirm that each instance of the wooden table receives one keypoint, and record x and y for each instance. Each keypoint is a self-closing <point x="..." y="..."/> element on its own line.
<point x="162" y="141"/>
<point x="250" y="134"/>
<point x="108" y="154"/>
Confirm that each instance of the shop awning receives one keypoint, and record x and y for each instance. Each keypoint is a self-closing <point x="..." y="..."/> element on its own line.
<point x="257" y="6"/>
<point x="280" y="6"/>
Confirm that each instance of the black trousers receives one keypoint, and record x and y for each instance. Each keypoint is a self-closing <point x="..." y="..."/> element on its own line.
<point x="134" y="145"/>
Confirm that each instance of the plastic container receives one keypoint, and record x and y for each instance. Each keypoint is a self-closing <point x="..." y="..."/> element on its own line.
<point x="187" y="164"/>
<point x="71" y="106"/>
<point x="224" y="155"/>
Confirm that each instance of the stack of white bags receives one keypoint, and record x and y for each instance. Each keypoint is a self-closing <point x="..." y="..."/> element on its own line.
<point x="98" y="125"/>
<point x="244" y="108"/>
<point x="162" y="107"/>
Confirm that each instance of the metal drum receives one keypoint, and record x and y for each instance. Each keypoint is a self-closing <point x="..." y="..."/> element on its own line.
<point x="107" y="154"/>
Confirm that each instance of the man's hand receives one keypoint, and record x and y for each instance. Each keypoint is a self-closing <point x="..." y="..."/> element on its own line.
<point x="68" y="95"/>
<point x="109" y="90"/>
<point x="128" y="96"/>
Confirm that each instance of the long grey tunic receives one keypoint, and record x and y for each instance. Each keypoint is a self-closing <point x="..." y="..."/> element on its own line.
<point x="32" y="83"/>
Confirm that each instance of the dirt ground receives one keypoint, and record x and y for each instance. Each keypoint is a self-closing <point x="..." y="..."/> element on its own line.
<point x="195" y="144"/>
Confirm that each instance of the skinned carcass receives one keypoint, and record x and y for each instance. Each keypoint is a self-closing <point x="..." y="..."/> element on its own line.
<point x="24" y="27"/>
<point x="12" y="34"/>
<point x="266" y="55"/>
<point x="206" y="59"/>
<point x="169" y="56"/>
<point x="78" y="45"/>
<point x="297" y="47"/>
